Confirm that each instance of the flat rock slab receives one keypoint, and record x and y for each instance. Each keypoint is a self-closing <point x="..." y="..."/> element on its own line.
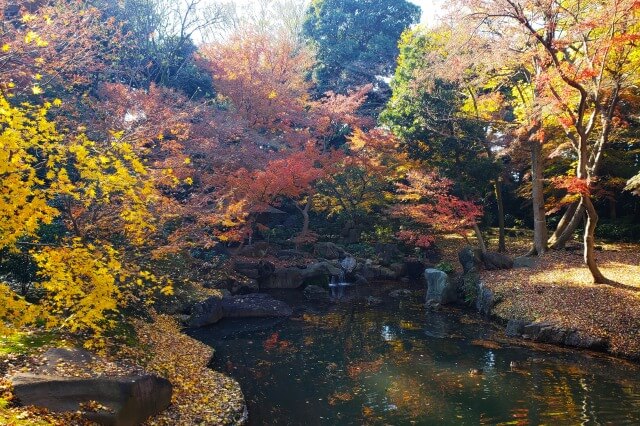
<point x="254" y="306"/>
<point x="124" y="401"/>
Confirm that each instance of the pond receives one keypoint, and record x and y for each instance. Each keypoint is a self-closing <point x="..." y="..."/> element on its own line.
<point x="350" y="363"/>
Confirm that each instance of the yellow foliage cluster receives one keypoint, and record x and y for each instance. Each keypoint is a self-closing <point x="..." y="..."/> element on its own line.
<point x="45" y="176"/>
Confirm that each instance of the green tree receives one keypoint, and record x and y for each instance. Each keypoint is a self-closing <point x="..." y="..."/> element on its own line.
<point x="356" y="40"/>
<point x="437" y="124"/>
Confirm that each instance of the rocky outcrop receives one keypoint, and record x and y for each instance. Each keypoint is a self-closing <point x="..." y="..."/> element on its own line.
<point x="546" y="332"/>
<point x="294" y="277"/>
<point x="255" y="270"/>
<point x="122" y="401"/>
<point x="440" y="290"/>
<point x="329" y="251"/>
<point x="206" y="312"/>
<point x="253" y="305"/>
<point x="374" y="272"/>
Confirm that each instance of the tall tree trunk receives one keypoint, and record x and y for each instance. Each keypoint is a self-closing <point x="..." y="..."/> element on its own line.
<point x="564" y="221"/>
<point x="479" y="237"/>
<point x="537" y="197"/>
<point x="501" y="235"/>
<point x="589" y="242"/>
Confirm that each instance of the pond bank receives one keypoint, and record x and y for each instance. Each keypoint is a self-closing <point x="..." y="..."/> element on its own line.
<point x="554" y="301"/>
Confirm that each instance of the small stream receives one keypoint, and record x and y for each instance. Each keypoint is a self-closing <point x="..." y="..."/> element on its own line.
<point x="393" y="364"/>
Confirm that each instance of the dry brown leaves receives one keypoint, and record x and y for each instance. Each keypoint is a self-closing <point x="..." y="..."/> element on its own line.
<point x="559" y="289"/>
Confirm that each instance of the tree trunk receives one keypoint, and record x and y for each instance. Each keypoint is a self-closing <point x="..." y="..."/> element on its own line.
<point x="501" y="238"/>
<point x="305" y="218"/>
<point x="564" y="221"/>
<point x="537" y="197"/>
<point x="571" y="227"/>
<point x="480" y="238"/>
<point x="589" y="242"/>
<point x="613" y="212"/>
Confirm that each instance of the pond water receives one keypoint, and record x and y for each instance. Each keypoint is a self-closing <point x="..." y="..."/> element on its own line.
<point x="394" y="364"/>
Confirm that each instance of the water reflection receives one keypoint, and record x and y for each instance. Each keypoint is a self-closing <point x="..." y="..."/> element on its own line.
<point x="395" y="364"/>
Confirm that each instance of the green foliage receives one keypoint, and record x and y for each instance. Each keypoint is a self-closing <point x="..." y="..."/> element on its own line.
<point x="619" y="231"/>
<point x="430" y="119"/>
<point x="446" y="267"/>
<point x="361" y="250"/>
<point x="20" y="343"/>
<point x="356" y="40"/>
<point x="470" y="287"/>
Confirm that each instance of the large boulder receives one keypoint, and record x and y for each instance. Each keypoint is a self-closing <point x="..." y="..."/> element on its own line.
<point x="485" y="299"/>
<point x="257" y="305"/>
<point x="255" y="270"/>
<point x="321" y="269"/>
<point x="440" y="290"/>
<point x="122" y="401"/>
<point x="206" y="313"/>
<point x="494" y="261"/>
<point x="294" y="277"/>
<point x="284" y="278"/>
<point x="328" y="251"/>
<point x="469" y="260"/>
<point x="374" y="272"/>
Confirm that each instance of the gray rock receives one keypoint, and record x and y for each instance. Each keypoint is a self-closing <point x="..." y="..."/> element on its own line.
<point x="399" y="269"/>
<point x="546" y="332"/>
<point x="129" y="400"/>
<point x="485" y="299"/>
<point x="515" y="328"/>
<point x="290" y="278"/>
<point x="206" y="312"/>
<point x="349" y="264"/>
<point x="400" y="293"/>
<point x="494" y="261"/>
<point x="524" y="262"/>
<point x="316" y="293"/>
<point x="285" y="278"/>
<point x="378" y="272"/>
<point x="321" y="269"/>
<point x="255" y="270"/>
<point x="440" y="290"/>
<point x="256" y="305"/>
<point x="468" y="260"/>
<point x="328" y="251"/>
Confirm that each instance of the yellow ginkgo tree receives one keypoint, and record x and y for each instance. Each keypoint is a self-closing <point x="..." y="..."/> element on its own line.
<point x="102" y="194"/>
